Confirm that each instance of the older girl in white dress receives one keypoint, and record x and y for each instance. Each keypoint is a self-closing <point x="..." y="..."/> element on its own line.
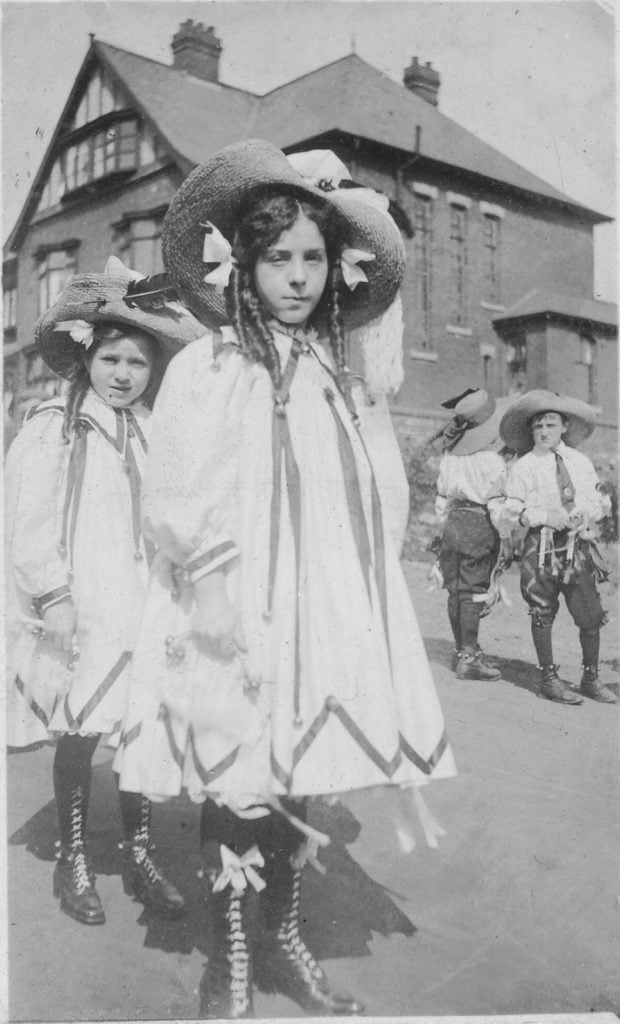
<point x="279" y="656"/>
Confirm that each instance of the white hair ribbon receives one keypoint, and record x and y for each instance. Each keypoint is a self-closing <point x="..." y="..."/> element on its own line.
<point x="238" y="871"/>
<point x="353" y="274"/>
<point x="216" y="249"/>
<point x="116" y="268"/>
<point x="80" y="331"/>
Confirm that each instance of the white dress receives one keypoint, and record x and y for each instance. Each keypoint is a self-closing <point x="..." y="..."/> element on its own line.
<point x="90" y="492"/>
<point x="335" y="690"/>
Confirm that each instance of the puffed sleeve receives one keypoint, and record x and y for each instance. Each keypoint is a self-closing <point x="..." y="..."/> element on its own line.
<point x="35" y="483"/>
<point x="441" y="498"/>
<point x="590" y="499"/>
<point x="495" y="473"/>
<point x="189" y="483"/>
<point x="522" y="496"/>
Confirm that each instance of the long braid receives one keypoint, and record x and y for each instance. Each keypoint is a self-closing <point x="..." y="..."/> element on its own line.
<point x="80" y="382"/>
<point x="337" y="341"/>
<point x="250" y="325"/>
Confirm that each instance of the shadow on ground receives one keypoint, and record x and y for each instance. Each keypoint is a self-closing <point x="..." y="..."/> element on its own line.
<point x="340" y="910"/>
<point x="515" y="671"/>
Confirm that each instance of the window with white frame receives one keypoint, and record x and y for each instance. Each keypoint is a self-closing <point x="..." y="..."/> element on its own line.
<point x="459" y="206"/>
<point x="423" y="268"/>
<point x="492" y="259"/>
<point x="9" y="308"/>
<point x="138" y="238"/>
<point x="55" y="268"/>
<point x="516" y="364"/>
<point x="586" y="371"/>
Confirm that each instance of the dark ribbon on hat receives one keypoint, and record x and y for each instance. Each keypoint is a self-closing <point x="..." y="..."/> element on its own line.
<point x="454" y="431"/>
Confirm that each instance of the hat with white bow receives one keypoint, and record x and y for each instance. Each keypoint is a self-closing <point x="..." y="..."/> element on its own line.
<point x="199" y="228"/>
<point x="118" y="296"/>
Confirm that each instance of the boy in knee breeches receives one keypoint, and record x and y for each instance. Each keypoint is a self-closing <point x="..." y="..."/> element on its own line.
<point x="470" y="495"/>
<point x="554" y="492"/>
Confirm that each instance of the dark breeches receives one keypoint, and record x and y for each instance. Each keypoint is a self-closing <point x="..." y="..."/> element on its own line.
<point x="541" y="590"/>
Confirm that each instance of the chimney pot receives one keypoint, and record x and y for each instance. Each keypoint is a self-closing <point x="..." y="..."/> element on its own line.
<point x="196" y="51"/>
<point x="423" y="80"/>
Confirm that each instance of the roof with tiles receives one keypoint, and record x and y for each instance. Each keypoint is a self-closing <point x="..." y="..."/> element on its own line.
<point x="197" y="118"/>
<point x="542" y="303"/>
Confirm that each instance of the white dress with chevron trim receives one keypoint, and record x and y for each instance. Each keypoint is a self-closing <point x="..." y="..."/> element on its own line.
<point x="334" y="691"/>
<point x="73" y="527"/>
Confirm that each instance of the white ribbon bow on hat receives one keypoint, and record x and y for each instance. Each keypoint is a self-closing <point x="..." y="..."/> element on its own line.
<point x="80" y="331"/>
<point x="216" y="249"/>
<point x="238" y="871"/>
<point x="351" y="273"/>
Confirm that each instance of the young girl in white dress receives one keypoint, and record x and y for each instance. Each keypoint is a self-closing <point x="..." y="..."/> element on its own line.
<point x="279" y="657"/>
<point x="77" y="563"/>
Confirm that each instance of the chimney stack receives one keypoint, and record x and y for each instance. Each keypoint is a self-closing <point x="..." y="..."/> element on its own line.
<point x="197" y="50"/>
<point x="423" y="80"/>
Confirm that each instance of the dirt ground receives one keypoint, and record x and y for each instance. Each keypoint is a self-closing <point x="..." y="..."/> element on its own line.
<point x="516" y="912"/>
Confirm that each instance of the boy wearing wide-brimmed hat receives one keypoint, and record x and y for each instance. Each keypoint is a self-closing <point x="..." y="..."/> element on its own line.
<point x="554" y="492"/>
<point x="470" y="495"/>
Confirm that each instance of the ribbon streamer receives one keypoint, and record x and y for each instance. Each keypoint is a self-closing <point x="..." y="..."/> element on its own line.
<point x="238" y="871"/>
<point x="307" y="854"/>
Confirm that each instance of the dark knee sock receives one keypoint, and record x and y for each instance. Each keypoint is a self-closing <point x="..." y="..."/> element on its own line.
<point x="541" y="635"/>
<point x="469" y="619"/>
<point x="136" y="813"/>
<point x="590" y="640"/>
<point x="72" y="778"/>
<point x="453" y="615"/>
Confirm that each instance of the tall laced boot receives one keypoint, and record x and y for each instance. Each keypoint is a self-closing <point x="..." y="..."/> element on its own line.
<point x="592" y="687"/>
<point x="554" y="688"/>
<point x="226" y="986"/>
<point x="282" y="961"/>
<point x="74" y="878"/>
<point x="142" y="877"/>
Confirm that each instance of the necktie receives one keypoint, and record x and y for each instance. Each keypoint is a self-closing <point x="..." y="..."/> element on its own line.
<point x="565" y="484"/>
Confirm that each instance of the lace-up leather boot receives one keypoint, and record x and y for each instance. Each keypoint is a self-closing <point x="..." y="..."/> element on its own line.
<point x="282" y="961"/>
<point x="554" y="688"/>
<point x="473" y="665"/>
<point x="592" y="687"/>
<point x="74" y="885"/>
<point x="226" y="991"/>
<point x="144" y="879"/>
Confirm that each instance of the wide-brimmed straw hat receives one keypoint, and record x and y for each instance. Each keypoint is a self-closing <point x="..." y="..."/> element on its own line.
<point x="515" y="426"/>
<point x="474" y="426"/>
<point x="218" y="192"/>
<point x="65" y="330"/>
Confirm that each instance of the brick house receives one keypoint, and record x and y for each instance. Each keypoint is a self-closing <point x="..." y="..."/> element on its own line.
<point x="500" y="264"/>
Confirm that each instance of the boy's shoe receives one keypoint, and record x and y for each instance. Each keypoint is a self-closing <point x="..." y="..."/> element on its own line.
<point x="592" y="687"/>
<point x="554" y="688"/>
<point x="473" y="665"/>
<point x="143" y="879"/>
<point x="454" y="660"/>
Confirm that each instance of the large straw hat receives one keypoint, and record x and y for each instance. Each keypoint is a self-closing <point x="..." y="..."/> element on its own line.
<point x="515" y="425"/>
<point x="218" y="192"/>
<point x="475" y="423"/>
<point x="107" y="298"/>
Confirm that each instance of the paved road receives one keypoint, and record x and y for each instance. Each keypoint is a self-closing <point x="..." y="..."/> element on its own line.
<point x="516" y="912"/>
